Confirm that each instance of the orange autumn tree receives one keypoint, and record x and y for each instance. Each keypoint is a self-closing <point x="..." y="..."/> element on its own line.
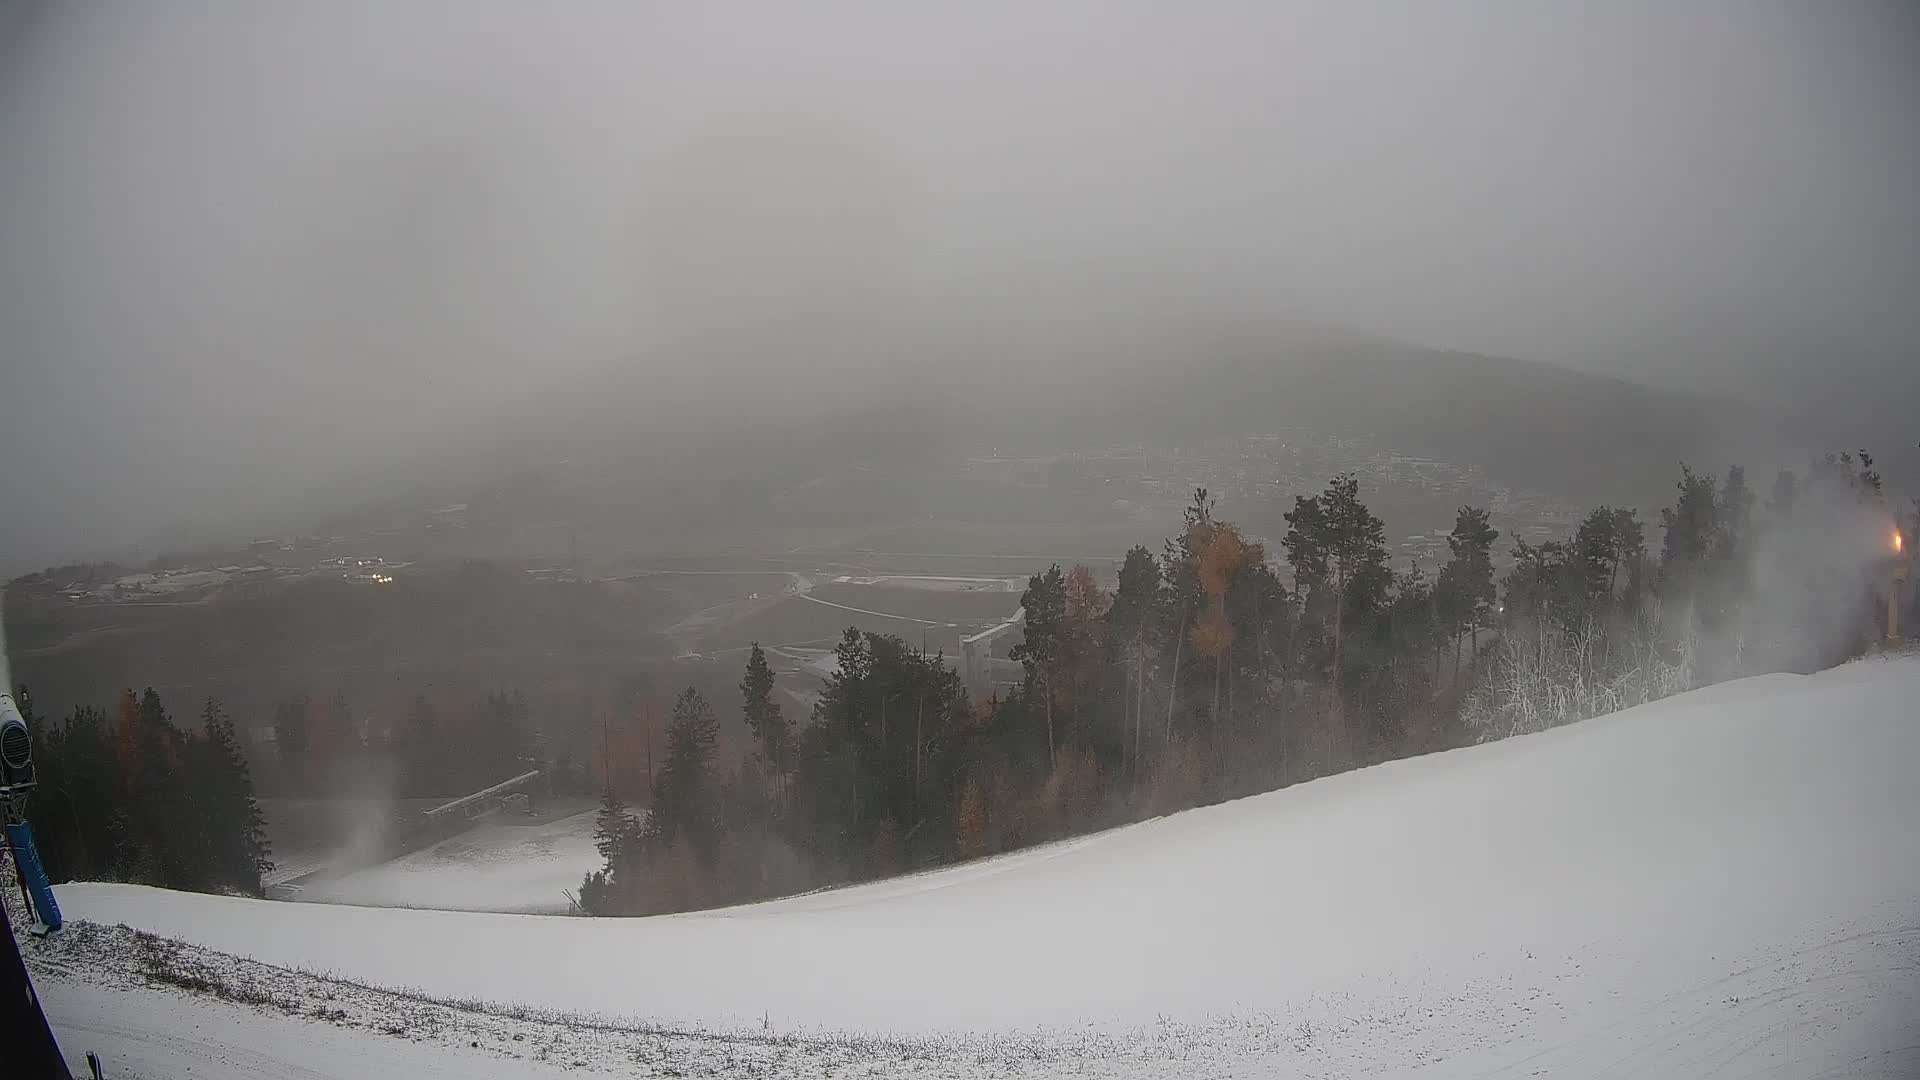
<point x="970" y="823"/>
<point x="126" y="732"/>
<point x="625" y="747"/>
<point x="1221" y="555"/>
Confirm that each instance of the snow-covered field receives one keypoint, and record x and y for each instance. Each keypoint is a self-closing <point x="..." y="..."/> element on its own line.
<point x="494" y="867"/>
<point x="1726" y="883"/>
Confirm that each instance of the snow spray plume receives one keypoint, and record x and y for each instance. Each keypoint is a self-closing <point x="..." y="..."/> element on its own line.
<point x="1803" y="589"/>
<point x="1814" y="582"/>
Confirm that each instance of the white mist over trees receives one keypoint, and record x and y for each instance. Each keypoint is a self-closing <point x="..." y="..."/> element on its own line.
<point x="1594" y="624"/>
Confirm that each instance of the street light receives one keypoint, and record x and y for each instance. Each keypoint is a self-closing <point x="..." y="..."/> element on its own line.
<point x="1897" y="588"/>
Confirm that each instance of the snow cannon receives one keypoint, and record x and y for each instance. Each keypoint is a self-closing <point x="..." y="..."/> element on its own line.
<point x="16" y="755"/>
<point x="16" y="780"/>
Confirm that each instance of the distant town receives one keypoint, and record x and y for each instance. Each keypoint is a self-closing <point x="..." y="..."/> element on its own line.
<point x="1148" y="484"/>
<point x="174" y="583"/>
<point x="1272" y="467"/>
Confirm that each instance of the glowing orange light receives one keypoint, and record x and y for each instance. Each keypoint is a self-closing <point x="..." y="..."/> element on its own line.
<point x="1899" y="542"/>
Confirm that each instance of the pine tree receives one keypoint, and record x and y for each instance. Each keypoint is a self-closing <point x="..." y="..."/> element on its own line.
<point x="598" y="893"/>
<point x="186" y="818"/>
<point x="1731" y="585"/>
<point x="887" y="740"/>
<point x="1450" y="606"/>
<point x="1599" y="554"/>
<point x="1412" y="625"/>
<point x="1184" y="598"/>
<point x="231" y="825"/>
<point x="828" y="750"/>
<point x="1469" y="570"/>
<point x="1083" y="645"/>
<point x="687" y="803"/>
<point x="1130" y="620"/>
<point x="1135" y="598"/>
<point x="1338" y="549"/>
<point x="1044" y="646"/>
<point x="80" y="794"/>
<point x="762" y="714"/>
<point x="1630" y="554"/>
<point x="1548" y="583"/>
<point x="1690" y="525"/>
<point x="63" y="832"/>
<point x="159" y="810"/>
<point x="1786" y="493"/>
<point x="1864" y="480"/>
<point x="1702" y="560"/>
<point x="616" y="832"/>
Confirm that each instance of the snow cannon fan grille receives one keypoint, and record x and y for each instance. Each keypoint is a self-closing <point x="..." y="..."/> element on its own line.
<point x="16" y="749"/>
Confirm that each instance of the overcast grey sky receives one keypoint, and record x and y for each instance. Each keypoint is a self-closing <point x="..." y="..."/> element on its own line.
<point x="244" y="247"/>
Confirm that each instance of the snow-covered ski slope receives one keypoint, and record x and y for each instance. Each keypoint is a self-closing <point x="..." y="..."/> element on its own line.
<point x="498" y="866"/>
<point x="1723" y="883"/>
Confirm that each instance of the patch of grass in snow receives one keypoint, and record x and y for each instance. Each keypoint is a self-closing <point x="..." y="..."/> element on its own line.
<point x="163" y="961"/>
<point x="119" y="953"/>
<point x="599" y="1042"/>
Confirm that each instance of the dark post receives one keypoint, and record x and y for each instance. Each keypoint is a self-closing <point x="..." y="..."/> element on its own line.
<point x="21" y="1017"/>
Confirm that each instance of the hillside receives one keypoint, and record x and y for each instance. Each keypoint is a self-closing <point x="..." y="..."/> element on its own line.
<point x="874" y="408"/>
<point x="1722" y="883"/>
<point x="1587" y="437"/>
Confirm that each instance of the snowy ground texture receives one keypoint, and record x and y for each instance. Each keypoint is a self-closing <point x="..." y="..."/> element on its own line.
<point x="1726" y="883"/>
<point x="498" y="866"/>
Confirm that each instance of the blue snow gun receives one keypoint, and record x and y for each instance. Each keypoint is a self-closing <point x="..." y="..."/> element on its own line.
<point x="16" y="780"/>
